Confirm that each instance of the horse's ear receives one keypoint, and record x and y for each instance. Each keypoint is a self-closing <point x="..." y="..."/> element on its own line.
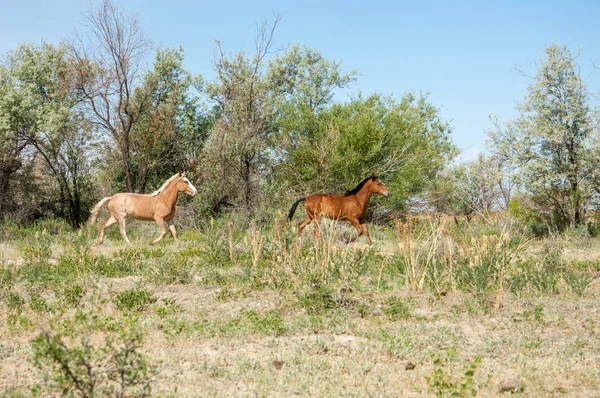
<point x="373" y="177"/>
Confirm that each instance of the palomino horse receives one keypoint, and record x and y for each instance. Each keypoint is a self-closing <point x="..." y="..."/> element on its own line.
<point x="349" y="207"/>
<point x="158" y="206"/>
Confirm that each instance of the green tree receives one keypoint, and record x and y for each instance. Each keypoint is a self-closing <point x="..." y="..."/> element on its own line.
<point x="406" y="142"/>
<point x="235" y="152"/>
<point x="171" y="129"/>
<point x="304" y="80"/>
<point x="475" y="187"/>
<point x="51" y="123"/>
<point x="12" y="144"/>
<point x="548" y="147"/>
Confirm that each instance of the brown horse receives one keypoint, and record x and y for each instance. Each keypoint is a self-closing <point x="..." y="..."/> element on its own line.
<point x="158" y="206"/>
<point x="349" y="207"/>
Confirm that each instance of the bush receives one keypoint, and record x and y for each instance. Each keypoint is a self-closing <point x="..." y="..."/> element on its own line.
<point x="73" y="365"/>
<point x="443" y="383"/>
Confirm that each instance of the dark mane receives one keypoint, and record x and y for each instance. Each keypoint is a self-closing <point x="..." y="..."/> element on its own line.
<point x="359" y="186"/>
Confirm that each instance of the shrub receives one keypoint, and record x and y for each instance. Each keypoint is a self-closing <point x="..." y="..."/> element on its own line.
<point x="443" y="383"/>
<point x="73" y="365"/>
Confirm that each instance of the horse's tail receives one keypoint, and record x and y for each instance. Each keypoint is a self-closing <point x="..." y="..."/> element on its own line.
<point x="293" y="209"/>
<point x="96" y="209"/>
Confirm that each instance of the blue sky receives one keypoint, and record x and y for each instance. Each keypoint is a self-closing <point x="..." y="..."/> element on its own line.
<point x="463" y="53"/>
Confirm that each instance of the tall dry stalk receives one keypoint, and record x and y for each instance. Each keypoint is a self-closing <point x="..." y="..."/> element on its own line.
<point x="419" y="251"/>
<point x="469" y="261"/>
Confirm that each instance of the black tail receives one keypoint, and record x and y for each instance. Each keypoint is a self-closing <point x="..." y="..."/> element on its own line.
<point x="293" y="209"/>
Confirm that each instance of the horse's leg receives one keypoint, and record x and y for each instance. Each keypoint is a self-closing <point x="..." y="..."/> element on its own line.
<point x="363" y="224"/>
<point x="105" y="224"/>
<point x="163" y="230"/>
<point x="303" y="224"/>
<point x="173" y="231"/>
<point x="122" y="230"/>
<point x="358" y="229"/>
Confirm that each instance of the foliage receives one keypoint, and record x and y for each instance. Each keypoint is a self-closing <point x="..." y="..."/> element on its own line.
<point x="36" y="248"/>
<point x="12" y="144"/>
<point x="75" y="365"/>
<point x="479" y="186"/>
<point x="396" y="309"/>
<point x="46" y="117"/>
<point x="133" y="300"/>
<point x="235" y="150"/>
<point x="406" y="142"/>
<point x="170" y="131"/>
<point x="443" y="383"/>
<point x="107" y="87"/>
<point x="550" y="146"/>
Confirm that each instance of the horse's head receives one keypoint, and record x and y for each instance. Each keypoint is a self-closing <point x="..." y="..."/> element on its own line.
<point x="377" y="187"/>
<point x="184" y="185"/>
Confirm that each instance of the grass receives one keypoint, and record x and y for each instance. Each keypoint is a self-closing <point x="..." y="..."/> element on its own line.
<point x="256" y="311"/>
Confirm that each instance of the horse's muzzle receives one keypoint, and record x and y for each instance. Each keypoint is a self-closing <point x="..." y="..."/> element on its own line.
<point x="386" y="194"/>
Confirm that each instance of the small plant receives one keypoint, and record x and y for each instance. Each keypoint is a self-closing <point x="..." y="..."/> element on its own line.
<point x="74" y="366"/>
<point x="577" y="281"/>
<point x="535" y="315"/>
<point x="71" y="295"/>
<point x="443" y="383"/>
<point x="226" y="294"/>
<point x="133" y="300"/>
<point x="317" y="300"/>
<point x="36" y="248"/>
<point x="396" y="309"/>
<point x="170" y="270"/>
<point x="363" y="309"/>
<point x="168" y="308"/>
<point x="37" y="303"/>
<point x="215" y="242"/>
<point x="15" y="303"/>
<point x="270" y="323"/>
<point x="8" y="276"/>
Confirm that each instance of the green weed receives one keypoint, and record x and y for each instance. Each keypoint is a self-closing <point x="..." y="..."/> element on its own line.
<point x="443" y="382"/>
<point x="133" y="300"/>
<point x="396" y="309"/>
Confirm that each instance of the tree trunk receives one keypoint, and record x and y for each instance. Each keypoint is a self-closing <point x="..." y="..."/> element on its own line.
<point x="127" y="164"/>
<point x="76" y="205"/>
<point x="4" y="193"/>
<point x="247" y="187"/>
<point x="576" y="197"/>
<point x="142" y="178"/>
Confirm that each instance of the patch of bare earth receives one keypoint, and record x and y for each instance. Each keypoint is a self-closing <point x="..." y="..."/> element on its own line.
<point x="548" y="351"/>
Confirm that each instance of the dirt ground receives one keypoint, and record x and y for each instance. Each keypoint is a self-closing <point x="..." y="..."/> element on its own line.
<point x="554" y="353"/>
<point x="208" y="345"/>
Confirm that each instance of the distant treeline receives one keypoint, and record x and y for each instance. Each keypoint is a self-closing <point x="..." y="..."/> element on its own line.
<point x="83" y="118"/>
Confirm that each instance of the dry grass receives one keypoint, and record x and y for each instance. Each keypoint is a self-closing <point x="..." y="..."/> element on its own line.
<point x="253" y="312"/>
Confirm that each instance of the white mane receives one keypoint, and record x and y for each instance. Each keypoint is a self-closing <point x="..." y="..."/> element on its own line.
<point x="165" y="185"/>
